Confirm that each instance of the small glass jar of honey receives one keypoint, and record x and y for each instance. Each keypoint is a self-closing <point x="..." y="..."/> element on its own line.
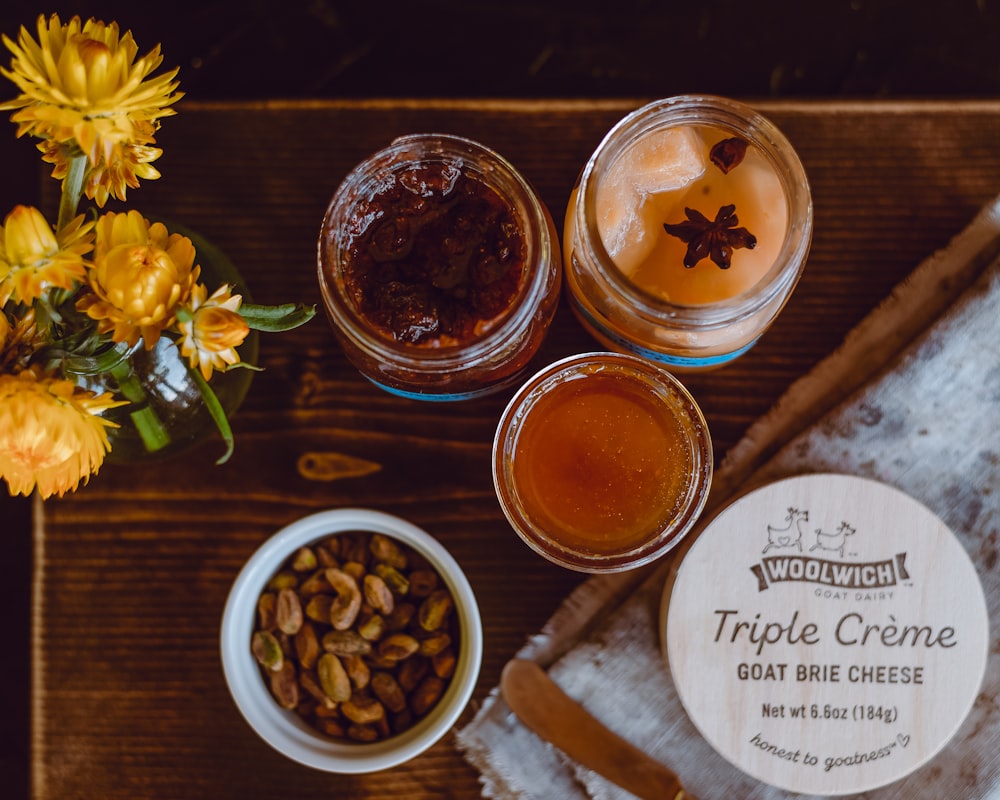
<point x="602" y="462"/>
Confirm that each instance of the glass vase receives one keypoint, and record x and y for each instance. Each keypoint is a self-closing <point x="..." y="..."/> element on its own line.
<point x="166" y="414"/>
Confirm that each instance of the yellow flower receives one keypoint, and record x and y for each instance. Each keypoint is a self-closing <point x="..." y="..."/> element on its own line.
<point x="50" y="433"/>
<point x="141" y="273"/>
<point x="34" y="259"/>
<point x="8" y="355"/>
<point x="18" y="341"/>
<point x="84" y="91"/>
<point x="211" y="329"/>
<point x="106" y="179"/>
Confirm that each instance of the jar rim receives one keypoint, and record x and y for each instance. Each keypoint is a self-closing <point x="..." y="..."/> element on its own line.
<point x="498" y="174"/>
<point x="708" y="110"/>
<point x="101" y="361"/>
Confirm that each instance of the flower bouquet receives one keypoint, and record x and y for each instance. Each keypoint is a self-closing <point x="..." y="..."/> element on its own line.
<point x="103" y="289"/>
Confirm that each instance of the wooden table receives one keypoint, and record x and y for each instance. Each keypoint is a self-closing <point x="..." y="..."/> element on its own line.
<point x="133" y="570"/>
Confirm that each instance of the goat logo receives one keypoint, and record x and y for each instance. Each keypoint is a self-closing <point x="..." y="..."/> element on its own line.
<point x="833" y="542"/>
<point x="790" y="534"/>
<point x="818" y="567"/>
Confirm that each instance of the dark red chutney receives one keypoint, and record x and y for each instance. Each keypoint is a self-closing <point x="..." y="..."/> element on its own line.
<point x="433" y="256"/>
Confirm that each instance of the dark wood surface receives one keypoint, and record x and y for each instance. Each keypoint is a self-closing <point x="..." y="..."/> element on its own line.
<point x="128" y="698"/>
<point x="232" y="49"/>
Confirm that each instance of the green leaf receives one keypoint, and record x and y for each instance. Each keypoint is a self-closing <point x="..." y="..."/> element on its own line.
<point x="276" y="318"/>
<point x="244" y="365"/>
<point x="218" y="414"/>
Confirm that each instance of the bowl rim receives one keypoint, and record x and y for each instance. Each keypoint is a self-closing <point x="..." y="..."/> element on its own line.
<point x="284" y="730"/>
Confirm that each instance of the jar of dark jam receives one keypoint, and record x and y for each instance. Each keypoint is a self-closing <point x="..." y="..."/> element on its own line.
<point x="439" y="268"/>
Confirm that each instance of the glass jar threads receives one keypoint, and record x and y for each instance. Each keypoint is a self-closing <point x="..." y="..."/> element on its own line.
<point x="439" y="268"/>
<point x="602" y="462"/>
<point x="687" y="232"/>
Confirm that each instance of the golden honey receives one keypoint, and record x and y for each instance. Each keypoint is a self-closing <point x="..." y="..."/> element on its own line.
<point x="602" y="462"/>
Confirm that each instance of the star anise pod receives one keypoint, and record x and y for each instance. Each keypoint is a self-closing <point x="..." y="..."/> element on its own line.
<point x="728" y="153"/>
<point x="708" y="239"/>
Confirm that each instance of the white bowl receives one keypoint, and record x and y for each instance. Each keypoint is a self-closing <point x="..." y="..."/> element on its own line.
<point x="284" y="730"/>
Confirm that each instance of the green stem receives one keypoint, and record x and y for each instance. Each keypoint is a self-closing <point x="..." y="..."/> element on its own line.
<point x="72" y="190"/>
<point x="217" y="412"/>
<point x="147" y="423"/>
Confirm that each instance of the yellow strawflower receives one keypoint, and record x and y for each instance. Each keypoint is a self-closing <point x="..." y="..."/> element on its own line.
<point x="51" y="436"/>
<point x="83" y="91"/>
<point x="140" y="275"/>
<point x="211" y="329"/>
<point x="34" y="258"/>
<point x="8" y="355"/>
<point x="111" y="179"/>
<point x="18" y="341"/>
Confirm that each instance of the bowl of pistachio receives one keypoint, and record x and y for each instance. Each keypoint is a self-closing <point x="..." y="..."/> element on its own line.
<point x="351" y="641"/>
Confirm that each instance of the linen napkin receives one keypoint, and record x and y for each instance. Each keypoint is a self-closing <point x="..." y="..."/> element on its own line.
<point x="912" y="399"/>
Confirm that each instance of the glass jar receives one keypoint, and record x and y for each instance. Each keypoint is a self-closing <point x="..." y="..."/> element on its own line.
<point x="166" y="415"/>
<point x="642" y="271"/>
<point x="439" y="268"/>
<point x="602" y="462"/>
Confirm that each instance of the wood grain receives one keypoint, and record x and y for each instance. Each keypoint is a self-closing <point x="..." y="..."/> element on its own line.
<point x="132" y="571"/>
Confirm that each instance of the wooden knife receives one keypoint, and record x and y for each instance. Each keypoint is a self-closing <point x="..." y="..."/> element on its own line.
<point x="547" y="710"/>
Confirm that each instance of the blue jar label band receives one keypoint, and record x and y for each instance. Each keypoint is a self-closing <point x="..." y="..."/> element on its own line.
<point x="688" y="362"/>
<point x="450" y="397"/>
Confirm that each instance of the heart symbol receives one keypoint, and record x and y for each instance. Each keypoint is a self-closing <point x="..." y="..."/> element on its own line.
<point x="903" y="740"/>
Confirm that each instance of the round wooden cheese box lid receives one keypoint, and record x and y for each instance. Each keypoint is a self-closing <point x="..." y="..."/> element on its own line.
<point x="826" y="634"/>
